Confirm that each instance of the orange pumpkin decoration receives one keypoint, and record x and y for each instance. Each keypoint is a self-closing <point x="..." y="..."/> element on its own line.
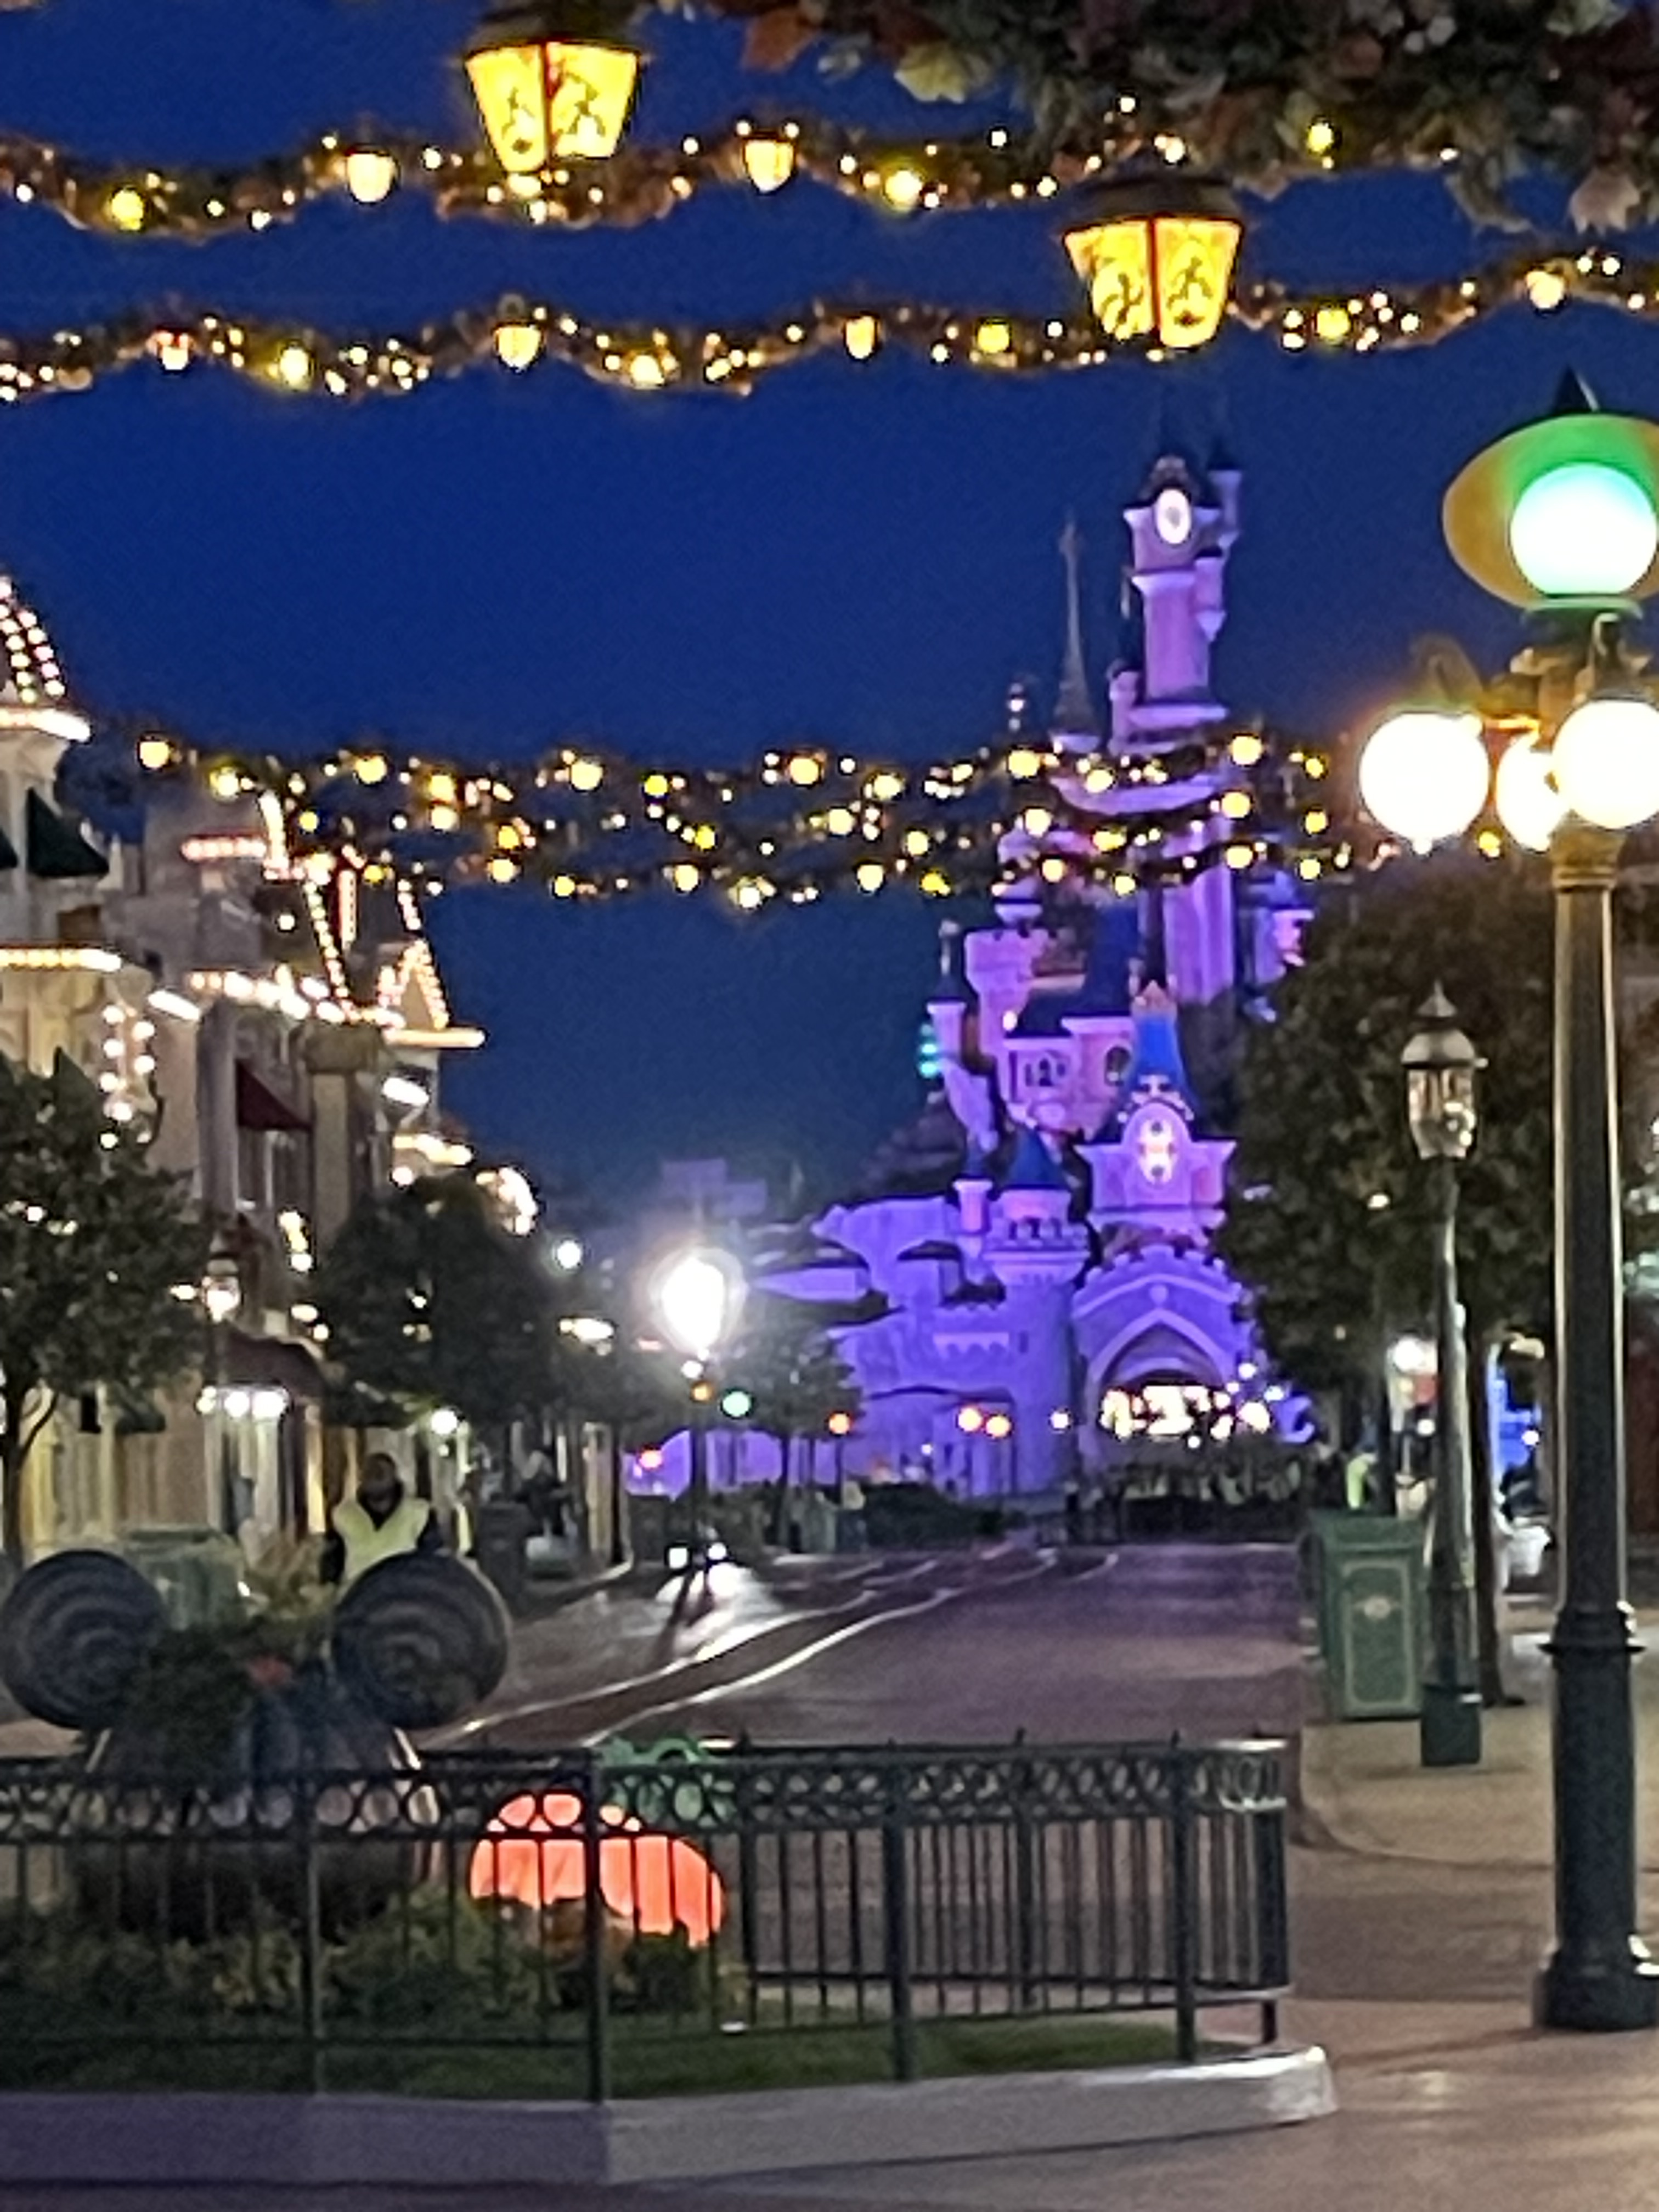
<point x="533" y="1853"/>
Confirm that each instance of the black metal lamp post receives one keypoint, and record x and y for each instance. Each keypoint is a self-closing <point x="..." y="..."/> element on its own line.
<point x="699" y="1295"/>
<point x="222" y="1300"/>
<point x="1440" y="1065"/>
<point x="1561" y="519"/>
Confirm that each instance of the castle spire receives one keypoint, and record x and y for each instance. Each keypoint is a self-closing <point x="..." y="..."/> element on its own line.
<point x="1074" y="712"/>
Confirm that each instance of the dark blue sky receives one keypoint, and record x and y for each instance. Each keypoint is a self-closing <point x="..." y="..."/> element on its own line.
<point x="859" y="554"/>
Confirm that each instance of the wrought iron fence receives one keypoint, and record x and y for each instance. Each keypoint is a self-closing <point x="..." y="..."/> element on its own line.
<point x="554" y="1922"/>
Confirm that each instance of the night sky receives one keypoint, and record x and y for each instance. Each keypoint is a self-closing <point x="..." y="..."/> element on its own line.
<point x="863" y="555"/>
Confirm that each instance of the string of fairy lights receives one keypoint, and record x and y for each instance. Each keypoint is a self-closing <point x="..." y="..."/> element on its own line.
<point x="584" y="824"/>
<point x="638" y="183"/>
<point x="519" y="336"/>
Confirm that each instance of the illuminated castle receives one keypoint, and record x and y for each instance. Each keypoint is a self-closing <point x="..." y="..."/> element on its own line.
<point x="1042" y="1234"/>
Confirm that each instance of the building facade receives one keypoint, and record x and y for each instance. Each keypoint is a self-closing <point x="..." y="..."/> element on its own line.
<point x="1041" y="1236"/>
<point x="279" y="1030"/>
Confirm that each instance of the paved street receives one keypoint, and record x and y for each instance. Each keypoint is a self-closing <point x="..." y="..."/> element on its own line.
<point x="966" y="1647"/>
<point x="1420" y="1902"/>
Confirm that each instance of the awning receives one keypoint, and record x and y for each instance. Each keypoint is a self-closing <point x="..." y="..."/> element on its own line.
<point x="259" y="1107"/>
<point x="271" y="1363"/>
<point x="58" y="851"/>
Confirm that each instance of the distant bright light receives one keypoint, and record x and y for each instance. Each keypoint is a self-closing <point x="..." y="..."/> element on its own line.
<point x="1584" y="531"/>
<point x="1059" y="1420"/>
<point x="402" y="1091"/>
<point x="970" y="1420"/>
<point x="445" y="1422"/>
<point x="1423" y="773"/>
<point x="737" y="1405"/>
<point x="1411" y="1355"/>
<point x="1606" y="759"/>
<point x="568" y="1254"/>
<point x="588" y="1328"/>
<point x="698" y="1295"/>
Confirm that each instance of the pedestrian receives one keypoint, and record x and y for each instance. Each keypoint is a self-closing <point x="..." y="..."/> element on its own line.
<point x="384" y="1521"/>
<point x="851" y="1533"/>
<point x="1073" y="1510"/>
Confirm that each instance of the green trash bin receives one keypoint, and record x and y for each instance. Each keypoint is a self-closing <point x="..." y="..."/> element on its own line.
<point x="1371" y="1614"/>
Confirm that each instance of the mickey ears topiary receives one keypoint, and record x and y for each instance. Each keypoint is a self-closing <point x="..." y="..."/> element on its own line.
<point x="420" y="1640"/>
<point x="74" y="1629"/>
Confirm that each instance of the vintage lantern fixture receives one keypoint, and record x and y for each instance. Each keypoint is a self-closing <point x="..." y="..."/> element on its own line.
<point x="1158" y="258"/>
<point x="554" y="81"/>
<point x="1440" y="1066"/>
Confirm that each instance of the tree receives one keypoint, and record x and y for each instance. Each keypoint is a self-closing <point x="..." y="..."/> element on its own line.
<point x="793" y="1368"/>
<point x="638" y="1398"/>
<point x="93" y="1243"/>
<point x="1262" y="95"/>
<point x="429" y="1302"/>
<point x="1331" y="1213"/>
<point x="1330" y="1221"/>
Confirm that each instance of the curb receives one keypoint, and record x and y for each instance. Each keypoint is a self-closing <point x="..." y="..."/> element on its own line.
<point x="204" y="2141"/>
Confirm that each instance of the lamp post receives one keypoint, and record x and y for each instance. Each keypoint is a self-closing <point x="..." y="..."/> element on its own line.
<point x="222" y="1297"/>
<point x="1440" y="1066"/>
<point x="1561" y="519"/>
<point x="698" y="1295"/>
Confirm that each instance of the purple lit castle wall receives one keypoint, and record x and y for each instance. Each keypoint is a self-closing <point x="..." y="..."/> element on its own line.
<point x="1042" y="1234"/>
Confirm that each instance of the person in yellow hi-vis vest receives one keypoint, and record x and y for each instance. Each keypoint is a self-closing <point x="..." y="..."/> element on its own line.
<point x="381" y="1521"/>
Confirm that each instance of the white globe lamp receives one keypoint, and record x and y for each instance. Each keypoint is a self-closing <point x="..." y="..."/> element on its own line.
<point x="1529" y="804"/>
<point x="1584" y="530"/>
<point x="1424" y="774"/>
<point x="697" y="1297"/>
<point x="1606" y="762"/>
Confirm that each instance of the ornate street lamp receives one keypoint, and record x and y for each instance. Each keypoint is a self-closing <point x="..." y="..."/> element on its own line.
<point x="1157" y="259"/>
<point x="1562" y="518"/>
<point x="1440" y="1065"/>
<point x="698" y="1295"/>
<point x="554" y="81"/>
<point x="221" y="1301"/>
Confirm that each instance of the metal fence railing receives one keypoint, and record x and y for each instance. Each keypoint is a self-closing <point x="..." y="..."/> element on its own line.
<point x="572" y="1923"/>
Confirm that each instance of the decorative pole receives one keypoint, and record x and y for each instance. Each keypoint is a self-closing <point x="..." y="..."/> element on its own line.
<point x="1440" y="1066"/>
<point x="1561" y="519"/>
<point x="1601" y="1974"/>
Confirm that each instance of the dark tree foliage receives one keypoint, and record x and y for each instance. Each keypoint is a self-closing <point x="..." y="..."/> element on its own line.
<point x="429" y="1302"/>
<point x="790" y="1365"/>
<point x="94" y="1243"/>
<point x="1330" y="1217"/>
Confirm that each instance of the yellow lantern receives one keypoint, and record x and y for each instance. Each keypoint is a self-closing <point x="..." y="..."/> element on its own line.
<point x="770" y="162"/>
<point x="1158" y="260"/>
<point x="553" y="83"/>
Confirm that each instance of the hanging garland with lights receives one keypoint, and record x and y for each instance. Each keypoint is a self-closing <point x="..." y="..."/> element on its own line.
<point x="1475" y="90"/>
<point x="638" y="184"/>
<point x="586" y="824"/>
<point x="286" y="357"/>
